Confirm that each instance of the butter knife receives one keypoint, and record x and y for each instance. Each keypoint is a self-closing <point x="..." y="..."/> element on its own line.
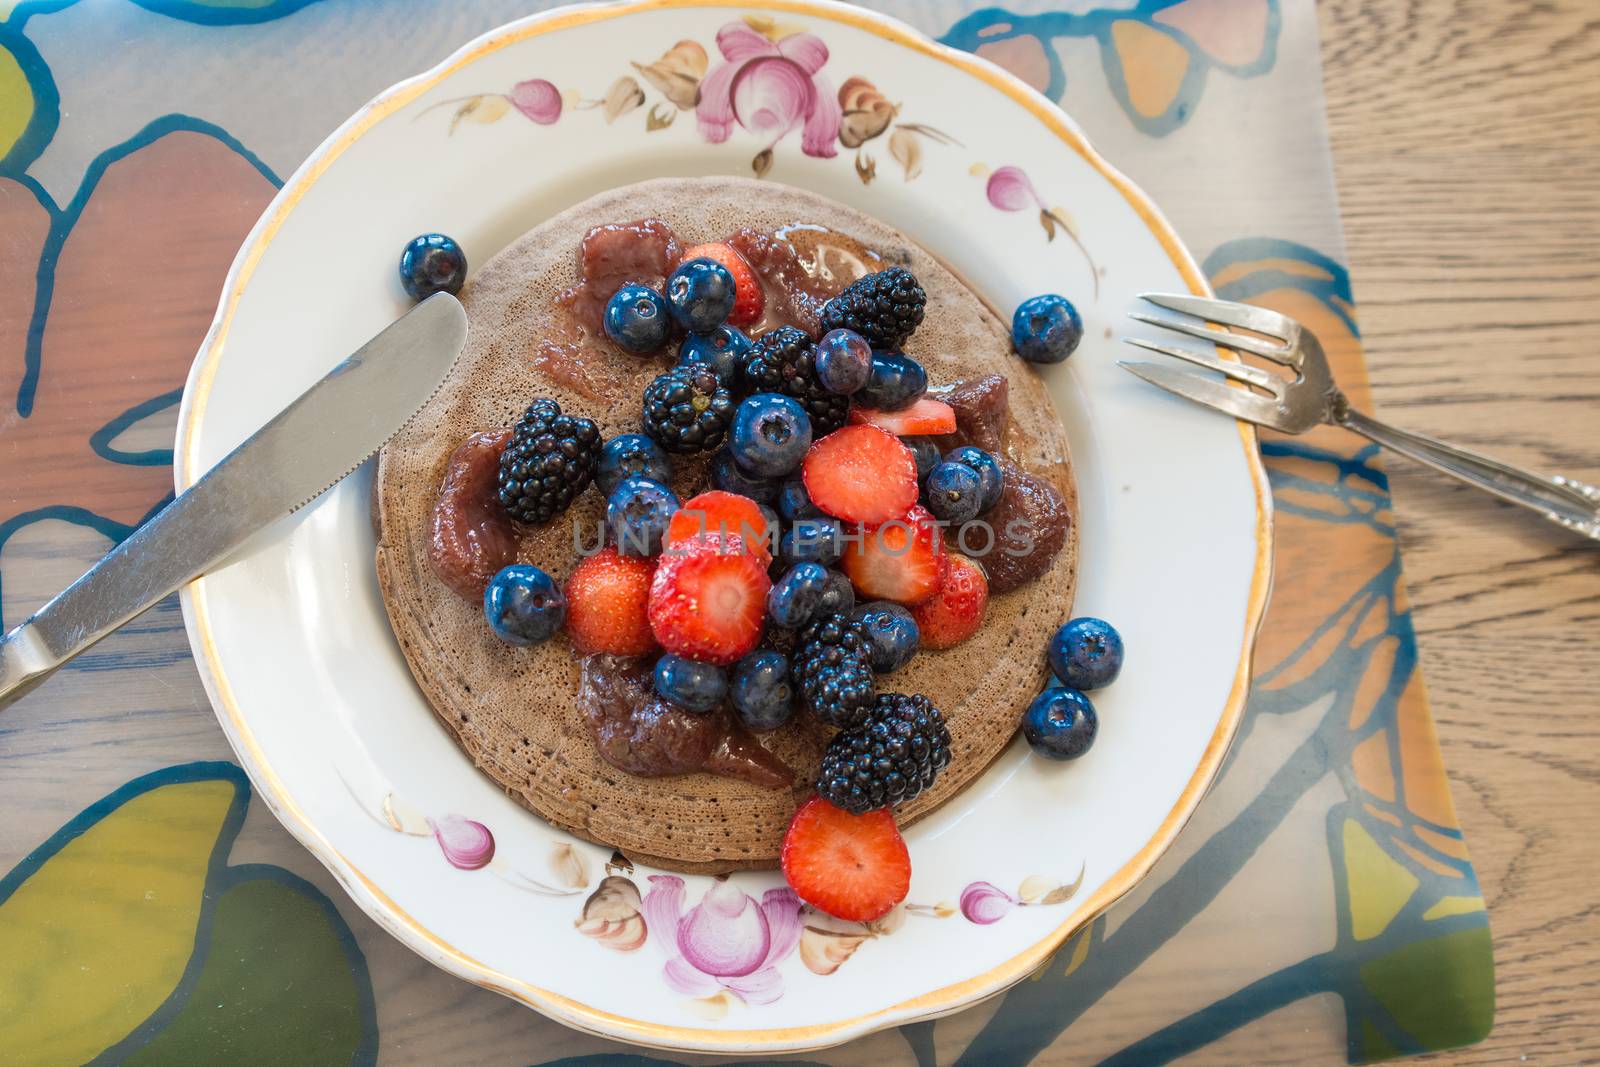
<point x="307" y="448"/>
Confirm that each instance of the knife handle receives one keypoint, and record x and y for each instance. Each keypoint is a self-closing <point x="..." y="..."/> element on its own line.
<point x="148" y="565"/>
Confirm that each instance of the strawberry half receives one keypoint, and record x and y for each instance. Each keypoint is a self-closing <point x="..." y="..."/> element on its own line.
<point x="718" y="511"/>
<point x="955" y="612"/>
<point x="708" y="599"/>
<point x="607" y="596"/>
<point x="854" y="867"/>
<point x="902" y="560"/>
<point x="861" y="474"/>
<point x="749" y="298"/>
<point x="926" y="416"/>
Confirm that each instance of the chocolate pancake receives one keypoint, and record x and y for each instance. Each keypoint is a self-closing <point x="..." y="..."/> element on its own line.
<point x="516" y="711"/>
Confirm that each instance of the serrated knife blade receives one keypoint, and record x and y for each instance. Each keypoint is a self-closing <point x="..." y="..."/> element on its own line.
<point x="305" y="450"/>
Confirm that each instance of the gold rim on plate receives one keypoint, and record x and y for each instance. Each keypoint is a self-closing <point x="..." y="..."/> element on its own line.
<point x="581" y="1016"/>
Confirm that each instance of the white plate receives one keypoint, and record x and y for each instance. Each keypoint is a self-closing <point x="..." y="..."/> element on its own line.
<point x="319" y="705"/>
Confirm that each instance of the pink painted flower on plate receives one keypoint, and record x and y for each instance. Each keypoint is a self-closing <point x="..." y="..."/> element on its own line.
<point x="770" y="88"/>
<point x="538" y="99"/>
<point x="466" y="843"/>
<point x="727" y="941"/>
<point x="1010" y="190"/>
<point x="983" y="903"/>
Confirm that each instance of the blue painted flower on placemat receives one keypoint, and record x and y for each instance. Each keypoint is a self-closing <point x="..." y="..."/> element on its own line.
<point x="1156" y="55"/>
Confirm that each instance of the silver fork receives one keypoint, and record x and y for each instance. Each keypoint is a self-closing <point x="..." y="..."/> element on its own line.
<point x="1311" y="397"/>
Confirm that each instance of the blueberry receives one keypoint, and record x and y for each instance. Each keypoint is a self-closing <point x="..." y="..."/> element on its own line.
<point x="1086" y="653"/>
<point x="954" y="492"/>
<point x="794" y="598"/>
<point x="690" y="684"/>
<point x="771" y="434"/>
<point x="814" y="540"/>
<point x="926" y="453"/>
<point x="1060" y="724"/>
<point x="1046" y="329"/>
<point x="990" y="474"/>
<point x="794" y="503"/>
<point x="524" y="605"/>
<point x="892" y="634"/>
<point x="838" y="597"/>
<point x="721" y="349"/>
<point x="897" y="381"/>
<point x="432" y="263"/>
<point x="631" y="455"/>
<point x="727" y="475"/>
<point x="637" y="513"/>
<point x="701" y="294"/>
<point x="636" y="318"/>
<point x="762" y="693"/>
<point x="843" y="361"/>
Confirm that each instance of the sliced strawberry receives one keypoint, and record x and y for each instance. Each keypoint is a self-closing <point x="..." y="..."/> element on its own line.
<point x="854" y="867"/>
<point x="902" y="560"/>
<point x="861" y="474"/>
<point x="955" y="612"/>
<point x="709" y="598"/>
<point x="607" y="597"/>
<point x="749" y="298"/>
<point x="718" y="511"/>
<point x="924" y="417"/>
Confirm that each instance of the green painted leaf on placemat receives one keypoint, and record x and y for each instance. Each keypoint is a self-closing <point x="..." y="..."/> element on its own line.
<point x="1439" y="991"/>
<point x="276" y="986"/>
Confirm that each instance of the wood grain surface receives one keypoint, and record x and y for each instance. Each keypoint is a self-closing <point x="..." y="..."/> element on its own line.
<point x="1466" y="140"/>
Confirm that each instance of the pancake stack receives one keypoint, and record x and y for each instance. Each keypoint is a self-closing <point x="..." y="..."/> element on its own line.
<point x="514" y="711"/>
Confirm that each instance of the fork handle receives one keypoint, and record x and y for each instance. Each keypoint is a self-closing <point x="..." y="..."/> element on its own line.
<point x="1564" y="501"/>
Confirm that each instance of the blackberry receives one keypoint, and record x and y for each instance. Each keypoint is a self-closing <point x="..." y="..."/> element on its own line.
<point x="549" y="461"/>
<point x="885" y="307"/>
<point x="896" y="753"/>
<point x="832" y="668"/>
<point x="785" y="361"/>
<point x="687" y="409"/>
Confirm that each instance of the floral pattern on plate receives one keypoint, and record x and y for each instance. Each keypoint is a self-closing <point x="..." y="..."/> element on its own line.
<point x="468" y="845"/>
<point x="769" y="83"/>
<point x="727" y="948"/>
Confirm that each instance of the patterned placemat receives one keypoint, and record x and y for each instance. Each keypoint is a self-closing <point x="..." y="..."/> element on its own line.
<point x="1320" y="906"/>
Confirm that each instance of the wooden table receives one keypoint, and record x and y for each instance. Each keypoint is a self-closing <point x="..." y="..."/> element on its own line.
<point x="1466" y="139"/>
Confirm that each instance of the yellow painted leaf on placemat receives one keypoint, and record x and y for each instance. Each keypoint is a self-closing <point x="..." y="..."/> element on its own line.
<point x="16" y="101"/>
<point x="1379" y="885"/>
<point x="98" y="936"/>
<point x="1153" y="65"/>
<point x="1080" y="950"/>
<point x="1448" y="906"/>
